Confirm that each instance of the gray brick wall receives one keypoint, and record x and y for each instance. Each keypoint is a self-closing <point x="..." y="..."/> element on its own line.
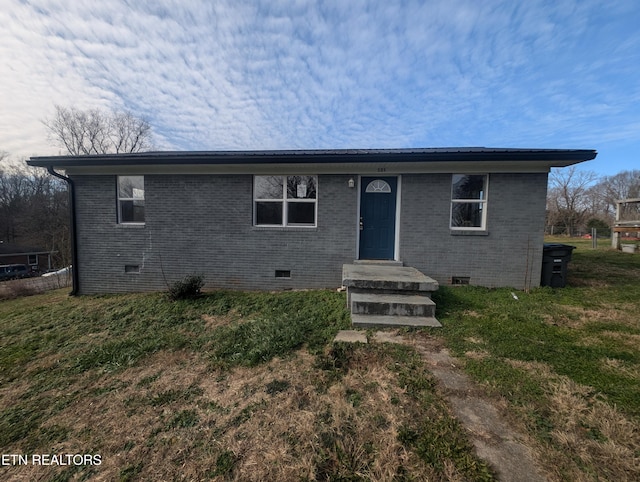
<point x="509" y="250"/>
<point x="203" y="224"/>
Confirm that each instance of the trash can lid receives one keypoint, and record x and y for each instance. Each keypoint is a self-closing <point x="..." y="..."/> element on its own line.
<point x="558" y="246"/>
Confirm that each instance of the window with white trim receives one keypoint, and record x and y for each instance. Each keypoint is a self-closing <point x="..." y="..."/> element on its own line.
<point x="469" y="201"/>
<point x="284" y="200"/>
<point x="131" y="199"/>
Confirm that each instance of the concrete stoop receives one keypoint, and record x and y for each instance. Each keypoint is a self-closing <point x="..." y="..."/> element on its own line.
<point x="389" y="295"/>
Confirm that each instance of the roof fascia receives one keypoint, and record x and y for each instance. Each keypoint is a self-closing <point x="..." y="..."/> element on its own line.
<point x="425" y="155"/>
<point x="23" y="253"/>
<point x="324" y="168"/>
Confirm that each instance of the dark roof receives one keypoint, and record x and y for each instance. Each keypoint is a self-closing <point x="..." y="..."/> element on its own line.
<point x="451" y="154"/>
<point x="8" y="249"/>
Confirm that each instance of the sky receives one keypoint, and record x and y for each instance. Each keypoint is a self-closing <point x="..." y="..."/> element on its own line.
<point x="305" y="74"/>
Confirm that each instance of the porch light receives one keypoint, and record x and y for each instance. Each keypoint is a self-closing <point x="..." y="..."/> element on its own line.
<point x="352" y="183"/>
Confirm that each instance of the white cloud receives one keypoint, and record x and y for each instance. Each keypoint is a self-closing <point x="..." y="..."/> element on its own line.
<point x="303" y="74"/>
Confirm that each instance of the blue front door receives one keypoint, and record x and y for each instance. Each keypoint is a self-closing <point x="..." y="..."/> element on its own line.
<point x="378" y="217"/>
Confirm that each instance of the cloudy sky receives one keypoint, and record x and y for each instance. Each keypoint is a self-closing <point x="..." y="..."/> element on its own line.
<point x="289" y="74"/>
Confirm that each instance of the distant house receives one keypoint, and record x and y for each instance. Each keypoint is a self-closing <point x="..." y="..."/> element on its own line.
<point x="292" y="219"/>
<point x="36" y="260"/>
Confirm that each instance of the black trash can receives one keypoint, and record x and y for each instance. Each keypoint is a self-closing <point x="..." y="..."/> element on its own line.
<point x="555" y="258"/>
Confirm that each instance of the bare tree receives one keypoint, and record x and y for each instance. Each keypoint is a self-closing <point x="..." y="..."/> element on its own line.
<point x="568" y="199"/>
<point x="94" y="131"/>
<point x="624" y="185"/>
<point x="13" y="194"/>
<point x="130" y="133"/>
<point x="34" y="211"/>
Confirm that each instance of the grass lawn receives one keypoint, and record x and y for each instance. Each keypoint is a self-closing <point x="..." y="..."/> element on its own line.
<point x="249" y="386"/>
<point x="231" y="386"/>
<point x="564" y="363"/>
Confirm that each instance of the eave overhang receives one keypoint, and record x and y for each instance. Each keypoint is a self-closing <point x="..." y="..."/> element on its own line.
<point x="333" y="161"/>
<point x="24" y="253"/>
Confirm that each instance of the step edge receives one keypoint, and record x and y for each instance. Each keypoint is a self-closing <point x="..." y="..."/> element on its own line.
<point x="395" y="298"/>
<point x="394" y="320"/>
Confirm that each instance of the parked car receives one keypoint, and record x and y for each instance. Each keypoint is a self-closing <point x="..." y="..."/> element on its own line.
<point x="13" y="271"/>
<point x="63" y="271"/>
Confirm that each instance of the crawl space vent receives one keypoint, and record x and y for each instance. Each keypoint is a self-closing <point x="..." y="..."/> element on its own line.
<point x="460" y="280"/>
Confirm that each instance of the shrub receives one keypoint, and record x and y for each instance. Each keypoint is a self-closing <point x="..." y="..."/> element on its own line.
<point x="188" y="287"/>
<point x="602" y="226"/>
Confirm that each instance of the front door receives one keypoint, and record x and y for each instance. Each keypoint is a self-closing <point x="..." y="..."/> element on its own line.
<point x="378" y="217"/>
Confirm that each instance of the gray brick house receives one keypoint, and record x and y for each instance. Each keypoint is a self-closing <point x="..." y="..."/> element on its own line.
<point x="291" y="219"/>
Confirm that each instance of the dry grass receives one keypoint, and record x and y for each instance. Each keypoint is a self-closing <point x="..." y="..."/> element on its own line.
<point x="628" y="340"/>
<point x="214" y="321"/>
<point x="587" y="431"/>
<point x="578" y="316"/>
<point x="31" y="286"/>
<point x="174" y="417"/>
<point x="476" y="355"/>
<point x="594" y="432"/>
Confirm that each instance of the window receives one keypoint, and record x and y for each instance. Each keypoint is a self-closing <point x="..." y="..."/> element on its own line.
<point x="378" y="185"/>
<point x="32" y="259"/>
<point x="469" y="202"/>
<point x="131" y="199"/>
<point x="284" y="200"/>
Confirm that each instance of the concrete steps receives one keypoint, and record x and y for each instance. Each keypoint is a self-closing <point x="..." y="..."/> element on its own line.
<point x="389" y="295"/>
<point x="392" y="304"/>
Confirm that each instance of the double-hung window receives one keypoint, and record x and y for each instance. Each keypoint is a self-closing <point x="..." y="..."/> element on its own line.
<point x="469" y="201"/>
<point x="131" y="199"/>
<point x="285" y="200"/>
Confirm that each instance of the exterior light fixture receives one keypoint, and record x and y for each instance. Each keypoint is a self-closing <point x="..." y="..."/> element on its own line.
<point x="352" y="183"/>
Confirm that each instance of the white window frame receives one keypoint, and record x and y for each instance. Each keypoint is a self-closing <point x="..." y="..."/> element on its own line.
<point x="285" y="203"/>
<point x="483" y="201"/>
<point x="120" y="199"/>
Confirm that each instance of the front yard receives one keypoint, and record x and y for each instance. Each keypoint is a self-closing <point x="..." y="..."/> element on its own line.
<point x="249" y="386"/>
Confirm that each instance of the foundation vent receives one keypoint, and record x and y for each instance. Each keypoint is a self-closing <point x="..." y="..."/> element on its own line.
<point x="460" y="280"/>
